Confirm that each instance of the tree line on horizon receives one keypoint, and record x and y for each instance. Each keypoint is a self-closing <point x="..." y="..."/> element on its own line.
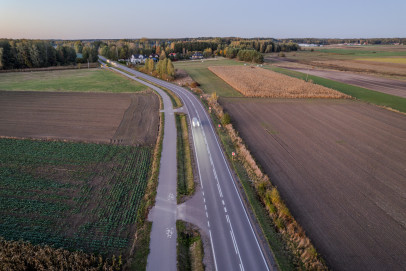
<point x="374" y="41"/>
<point x="23" y="54"/>
<point x="176" y="50"/>
<point x="20" y="54"/>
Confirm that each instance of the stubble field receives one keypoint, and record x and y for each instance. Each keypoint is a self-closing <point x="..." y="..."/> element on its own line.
<point x="339" y="165"/>
<point x="258" y="82"/>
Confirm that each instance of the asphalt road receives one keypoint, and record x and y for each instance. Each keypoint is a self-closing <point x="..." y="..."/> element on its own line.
<point x="235" y="246"/>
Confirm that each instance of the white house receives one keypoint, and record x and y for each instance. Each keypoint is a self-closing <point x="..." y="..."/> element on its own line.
<point x="197" y="55"/>
<point x="136" y="59"/>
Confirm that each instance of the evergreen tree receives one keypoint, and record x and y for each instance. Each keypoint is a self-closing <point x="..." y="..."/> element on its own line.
<point x="1" y="58"/>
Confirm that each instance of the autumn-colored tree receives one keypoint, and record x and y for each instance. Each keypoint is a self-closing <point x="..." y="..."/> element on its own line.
<point x="170" y="69"/>
<point x="162" y="55"/>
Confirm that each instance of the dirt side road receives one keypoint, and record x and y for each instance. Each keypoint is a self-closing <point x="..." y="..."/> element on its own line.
<point x="120" y="118"/>
<point x="388" y="86"/>
<point x="340" y="165"/>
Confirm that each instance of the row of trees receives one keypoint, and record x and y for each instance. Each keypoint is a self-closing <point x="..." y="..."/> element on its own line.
<point x="163" y="69"/>
<point x="20" y="54"/>
<point x="250" y="56"/>
<point x="89" y="53"/>
<point x="123" y="49"/>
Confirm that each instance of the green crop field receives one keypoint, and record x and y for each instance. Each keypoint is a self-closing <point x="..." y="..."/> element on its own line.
<point x="209" y="82"/>
<point x="69" y="80"/>
<point x="72" y="195"/>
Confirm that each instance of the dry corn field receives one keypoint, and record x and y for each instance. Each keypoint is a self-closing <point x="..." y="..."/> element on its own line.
<point x="258" y="82"/>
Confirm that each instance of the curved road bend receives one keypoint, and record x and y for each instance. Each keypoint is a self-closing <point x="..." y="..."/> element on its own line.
<point x="235" y="245"/>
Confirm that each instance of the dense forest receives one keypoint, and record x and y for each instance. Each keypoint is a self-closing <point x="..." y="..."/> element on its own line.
<point x="21" y="54"/>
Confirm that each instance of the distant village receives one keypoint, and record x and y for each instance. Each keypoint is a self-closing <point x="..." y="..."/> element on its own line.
<point x="140" y="58"/>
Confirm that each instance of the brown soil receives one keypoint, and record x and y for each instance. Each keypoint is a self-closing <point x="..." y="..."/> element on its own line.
<point x="340" y="166"/>
<point x="182" y="78"/>
<point x="120" y="118"/>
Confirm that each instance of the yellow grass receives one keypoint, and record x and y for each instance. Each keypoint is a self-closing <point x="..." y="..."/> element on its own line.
<point x="258" y="82"/>
<point x="386" y="60"/>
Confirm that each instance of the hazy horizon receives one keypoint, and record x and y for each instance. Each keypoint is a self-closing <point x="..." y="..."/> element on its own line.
<point x="125" y="19"/>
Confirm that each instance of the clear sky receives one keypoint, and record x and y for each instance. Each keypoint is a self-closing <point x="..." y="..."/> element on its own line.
<point x="102" y="19"/>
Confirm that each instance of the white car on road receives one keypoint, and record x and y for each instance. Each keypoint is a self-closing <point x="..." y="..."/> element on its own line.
<point x="195" y="122"/>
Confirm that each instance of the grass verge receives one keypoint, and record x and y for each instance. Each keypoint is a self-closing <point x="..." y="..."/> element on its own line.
<point x="186" y="184"/>
<point x="189" y="247"/>
<point x="283" y="257"/>
<point x="363" y="94"/>
<point x="208" y="81"/>
<point x="140" y="249"/>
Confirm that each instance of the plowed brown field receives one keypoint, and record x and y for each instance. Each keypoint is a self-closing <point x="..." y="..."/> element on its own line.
<point x="340" y="166"/>
<point x="120" y="118"/>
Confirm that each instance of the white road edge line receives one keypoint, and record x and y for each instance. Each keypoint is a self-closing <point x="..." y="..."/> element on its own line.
<point x="214" y="254"/>
<point x="222" y="154"/>
<point x="178" y="90"/>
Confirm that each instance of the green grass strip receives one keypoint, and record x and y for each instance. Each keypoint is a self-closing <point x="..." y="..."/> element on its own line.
<point x="141" y="250"/>
<point x="189" y="248"/>
<point x="186" y="185"/>
<point x="363" y="94"/>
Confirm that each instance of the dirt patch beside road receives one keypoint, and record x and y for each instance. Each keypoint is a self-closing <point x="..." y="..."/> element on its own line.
<point x="339" y="164"/>
<point x="121" y="118"/>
